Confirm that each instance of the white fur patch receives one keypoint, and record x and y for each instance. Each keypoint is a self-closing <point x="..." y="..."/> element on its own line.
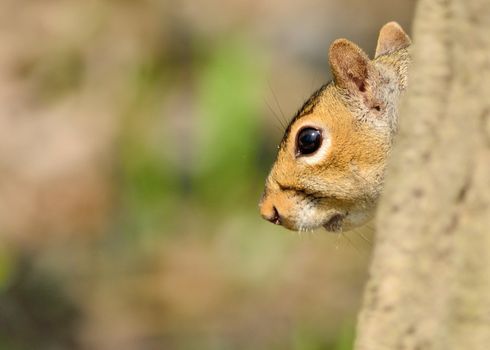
<point x="319" y="155"/>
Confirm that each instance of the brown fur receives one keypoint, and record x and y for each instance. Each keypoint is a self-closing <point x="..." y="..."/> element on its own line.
<point x="338" y="187"/>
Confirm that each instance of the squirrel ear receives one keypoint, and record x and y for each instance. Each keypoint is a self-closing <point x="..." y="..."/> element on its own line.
<point x="391" y="38"/>
<point x="349" y="65"/>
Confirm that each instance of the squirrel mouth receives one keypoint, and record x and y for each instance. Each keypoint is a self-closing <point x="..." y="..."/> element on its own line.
<point x="334" y="224"/>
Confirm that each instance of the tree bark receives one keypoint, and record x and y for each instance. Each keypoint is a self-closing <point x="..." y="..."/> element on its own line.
<point x="429" y="284"/>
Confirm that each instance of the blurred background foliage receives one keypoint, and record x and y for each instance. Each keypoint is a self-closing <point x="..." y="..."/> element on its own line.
<point x="135" y="137"/>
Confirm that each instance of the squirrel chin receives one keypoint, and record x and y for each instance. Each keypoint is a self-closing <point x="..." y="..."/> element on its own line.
<point x="334" y="224"/>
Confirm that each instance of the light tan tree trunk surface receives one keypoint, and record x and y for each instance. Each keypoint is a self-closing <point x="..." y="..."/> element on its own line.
<point x="429" y="284"/>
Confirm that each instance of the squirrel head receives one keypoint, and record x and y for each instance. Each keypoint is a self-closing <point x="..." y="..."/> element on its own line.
<point x="331" y="161"/>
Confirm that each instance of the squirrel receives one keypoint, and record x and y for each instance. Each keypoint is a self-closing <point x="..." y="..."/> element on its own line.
<point x="331" y="162"/>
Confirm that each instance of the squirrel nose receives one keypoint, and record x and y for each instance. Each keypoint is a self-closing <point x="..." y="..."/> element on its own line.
<point x="269" y="212"/>
<point x="273" y="217"/>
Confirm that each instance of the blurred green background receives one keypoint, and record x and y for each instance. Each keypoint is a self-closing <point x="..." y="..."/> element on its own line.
<point x="135" y="137"/>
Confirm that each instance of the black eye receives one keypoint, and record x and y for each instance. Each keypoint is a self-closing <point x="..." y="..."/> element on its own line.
<point x="309" y="141"/>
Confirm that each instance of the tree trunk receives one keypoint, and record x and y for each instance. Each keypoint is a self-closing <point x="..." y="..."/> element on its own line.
<point x="430" y="276"/>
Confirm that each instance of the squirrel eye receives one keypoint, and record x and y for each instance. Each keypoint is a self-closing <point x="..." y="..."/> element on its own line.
<point x="308" y="141"/>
